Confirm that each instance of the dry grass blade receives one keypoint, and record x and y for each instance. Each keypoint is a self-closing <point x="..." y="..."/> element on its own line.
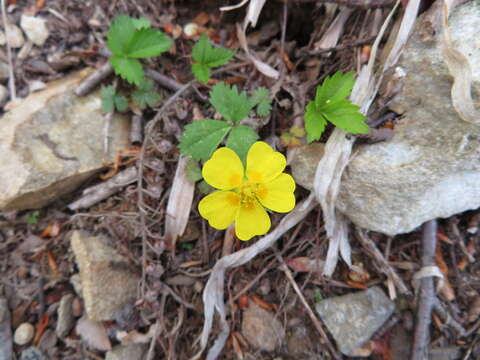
<point x="331" y="36"/>
<point x="179" y="203"/>
<point x="213" y="292"/>
<point x="459" y="67"/>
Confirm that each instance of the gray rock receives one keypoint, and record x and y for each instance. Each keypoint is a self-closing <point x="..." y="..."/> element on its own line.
<point x="262" y="329"/>
<point x="127" y="352"/>
<point x="35" y="28"/>
<point x="52" y="142"/>
<point x="66" y="320"/>
<point x="108" y="283"/>
<point x="298" y="341"/>
<point x="352" y="319"/>
<point x="448" y="353"/>
<point x="32" y="353"/>
<point x="431" y="168"/>
<point x="5" y="331"/>
<point x="15" y="36"/>
<point x="304" y="163"/>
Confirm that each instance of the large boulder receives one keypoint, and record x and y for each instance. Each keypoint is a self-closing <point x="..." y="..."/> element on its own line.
<point x="431" y="167"/>
<point x="52" y="142"/>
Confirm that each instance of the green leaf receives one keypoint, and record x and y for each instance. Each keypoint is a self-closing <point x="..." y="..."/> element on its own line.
<point x="145" y="94"/>
<point x="201" y="72"/>
<point x="314" y="122"/>
<point x="202" y="137"/>
<point x="141" y="23"/>
<point x="121" y="103"/>
<point x="147" y="43"/>
<point x="346" y="116"/>
<point x="107" y="95"/>
<point x="129" y="69"/>
<point x="204" y="187"/>
<point x="204" y="53"/>
<point x="334" y="88"/>
<point x="241" y="138"/>
<point x="120" y="35"/>
<point x="194" y="173"/>
<point x="32" y="217"/>
<point x="231" y="104"/>
<point x="261" y="98"/>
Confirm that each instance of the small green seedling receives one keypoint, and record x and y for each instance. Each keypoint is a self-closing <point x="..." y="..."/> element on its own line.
<point x="132" y="39"/>
<point x="145" y="94"/>
<point x="205" y="57"/>
<point x="261" y="99"/>
<point x="202" y="137"/>
<point x="111" y="100"/>
<point x="32" y="217"/>
<point x="330" y="104"/>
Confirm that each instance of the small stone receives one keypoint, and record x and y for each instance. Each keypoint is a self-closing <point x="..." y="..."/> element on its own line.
<point x="24" y="334"/>
<point x="127" y="352"/>
<point x="15" y="36"/>
<point x="66" y="318"/>
<point x="32" y="353"/>
<point x="101" y="265"/>
<point x="298" y="341"/>
<point x="3" y="95"/>
<point x="262" y="329"/>
<point x="304" y="163"/>
<point x="352" y="319"/>
<point x="35" y="28"/>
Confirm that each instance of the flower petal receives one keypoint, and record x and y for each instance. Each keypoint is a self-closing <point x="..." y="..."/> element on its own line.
<point x="251" y="220"/>
<point x="220" y="208"/>
<point x="224" y="170"/>
<point x="277" y="195"/>
<point x="263" y="163"/>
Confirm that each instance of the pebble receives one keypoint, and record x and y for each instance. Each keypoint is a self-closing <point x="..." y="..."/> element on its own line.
<point x="262" y="329"/>
<point x="15" y="36"/>
<point x="65" y="316"/>
<point x="24" y="334"/>
<point x="32" y="353"/>
<point x="304" y="164"/>
<point x="35" y="28"/>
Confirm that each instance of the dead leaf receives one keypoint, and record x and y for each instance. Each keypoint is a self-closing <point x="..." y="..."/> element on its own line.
<point x="243" y="302"/>
<point x="40" y="328"/>
<point x="264" y="304"/>
<point x="306" y="264"/>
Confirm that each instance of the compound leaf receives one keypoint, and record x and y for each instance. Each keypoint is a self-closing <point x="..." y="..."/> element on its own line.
<point x="145" y="94"/>
<point x="120" y="35"/>
<point x="201" y="72"/>
<point x="129" y="69"/>
<point x="261" y="98"/>
<point x="231" y="104"/>
<point x="240" y="139"/>
<point x="346" y="116"/>
<point x="148" y="42"/>
<point x="334" y="88"/>
<point x="314" y="122"/>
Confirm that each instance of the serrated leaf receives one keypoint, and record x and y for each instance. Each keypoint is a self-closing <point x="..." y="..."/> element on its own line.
<point x="147" y="43"/>
<point x="202" y="137"/>
<point x="194" y="173"/>
<point x="121" y="103"/>
<point x="261" y="98"/>
<point x="129" y="69"/>
<point x="204" y="53"/>
<point x="334" y="88"/>
<point x="314" y="122"/>
<point x="107" y="95"/>
<point x="141" y="23"/>
<point x="120" y="35"/>
<point x="241" y="138"/>
<point x="231" y="104"/>
<point x="201" y="72"/>
<point x="346" y="116"/>
<point x="145" y="94"/>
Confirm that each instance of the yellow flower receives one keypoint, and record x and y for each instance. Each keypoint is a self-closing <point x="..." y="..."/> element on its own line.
<point x="244" y="195"/>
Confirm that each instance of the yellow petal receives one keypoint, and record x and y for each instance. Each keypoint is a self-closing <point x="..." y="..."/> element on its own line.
<point x="251" y="220"/>
<point x="277" y="195"/>
<point x="220" y="208"/>
<point x="224" y="170"/>
<point x="263" y="163"/>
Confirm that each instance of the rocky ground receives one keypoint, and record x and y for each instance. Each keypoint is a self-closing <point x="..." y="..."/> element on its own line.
<point x="103" y="254"/>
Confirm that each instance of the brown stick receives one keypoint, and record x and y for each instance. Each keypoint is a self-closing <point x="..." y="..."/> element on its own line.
<point x="427" y="293"/>
<point x="94" y="79"/>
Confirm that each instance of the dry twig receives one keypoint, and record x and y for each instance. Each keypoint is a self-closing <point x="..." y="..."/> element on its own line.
<point x="94" y="79"/>
<point x="426" y="299"/>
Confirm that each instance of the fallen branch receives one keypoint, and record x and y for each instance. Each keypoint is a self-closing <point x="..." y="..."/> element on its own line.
<point x="426" y="297"/>
<point x="94" y="79"/>
<point x="97" y="193"/>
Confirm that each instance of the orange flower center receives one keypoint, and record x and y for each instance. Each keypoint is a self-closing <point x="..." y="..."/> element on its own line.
<point x="250" y="193"/>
